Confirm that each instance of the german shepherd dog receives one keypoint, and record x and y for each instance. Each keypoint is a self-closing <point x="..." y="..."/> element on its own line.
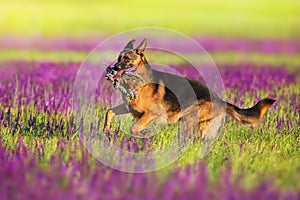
<point x="155" y="103"/>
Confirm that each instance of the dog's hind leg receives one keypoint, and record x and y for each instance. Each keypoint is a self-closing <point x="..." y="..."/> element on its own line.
<point x="208" y="111"/>
<point x="202" y="128"/>
<point x="118" y="110"/>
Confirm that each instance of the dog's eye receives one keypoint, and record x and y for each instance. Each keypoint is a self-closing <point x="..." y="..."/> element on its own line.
<point x="127" y="59"/>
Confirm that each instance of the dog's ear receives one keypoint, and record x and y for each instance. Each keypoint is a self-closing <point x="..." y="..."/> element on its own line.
<point x="129" y="45"/>
<point x="141" y="48"/>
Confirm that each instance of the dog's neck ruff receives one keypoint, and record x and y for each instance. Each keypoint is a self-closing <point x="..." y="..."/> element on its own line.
<point x="116" y="78"/>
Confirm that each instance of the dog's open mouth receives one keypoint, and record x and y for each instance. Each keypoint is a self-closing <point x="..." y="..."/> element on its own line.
<point x="118" y="77"/>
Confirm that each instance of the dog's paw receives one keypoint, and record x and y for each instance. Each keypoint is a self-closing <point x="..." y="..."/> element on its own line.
<point x="145" y="133"/>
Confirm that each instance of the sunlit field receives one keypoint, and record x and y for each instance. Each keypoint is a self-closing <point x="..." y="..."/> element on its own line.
<point x="41" y="154"/>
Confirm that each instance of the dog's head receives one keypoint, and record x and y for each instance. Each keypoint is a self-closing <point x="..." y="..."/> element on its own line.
<point x="131" y="57"/>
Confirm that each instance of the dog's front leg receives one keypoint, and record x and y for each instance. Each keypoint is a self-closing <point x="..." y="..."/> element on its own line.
<point x="118" y="110"/>
<point x="141" y="124"/>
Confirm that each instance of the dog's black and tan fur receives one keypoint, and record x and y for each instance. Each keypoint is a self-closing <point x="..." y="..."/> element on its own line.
<point x="156" y="103"/>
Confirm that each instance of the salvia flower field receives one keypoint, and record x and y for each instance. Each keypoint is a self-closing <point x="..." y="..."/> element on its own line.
<point x="42" y="157"/>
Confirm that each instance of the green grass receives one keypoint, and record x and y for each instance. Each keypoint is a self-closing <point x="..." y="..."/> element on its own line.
<point x="271" y="18"/>
<point x="257" y="153"/>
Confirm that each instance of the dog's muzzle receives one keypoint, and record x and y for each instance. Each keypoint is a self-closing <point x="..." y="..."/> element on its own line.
<point x="116" y="78"/>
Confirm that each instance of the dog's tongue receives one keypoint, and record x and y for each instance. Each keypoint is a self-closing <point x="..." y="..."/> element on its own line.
<point x="123" y="71"/>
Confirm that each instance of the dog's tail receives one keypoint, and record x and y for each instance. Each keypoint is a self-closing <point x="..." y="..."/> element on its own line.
<point x="250" y="115"/>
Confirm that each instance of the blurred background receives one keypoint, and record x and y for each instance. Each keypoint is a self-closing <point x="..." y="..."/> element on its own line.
<point x="82" y="19"/>
<point x="231" y="31"/>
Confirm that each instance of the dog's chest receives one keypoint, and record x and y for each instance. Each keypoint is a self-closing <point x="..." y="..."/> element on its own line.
<point x="145" y="98"/>
<point x="139" y="103"/>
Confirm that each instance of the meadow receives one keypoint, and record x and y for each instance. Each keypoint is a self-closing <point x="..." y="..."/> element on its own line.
<point x="42" y="157"/>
